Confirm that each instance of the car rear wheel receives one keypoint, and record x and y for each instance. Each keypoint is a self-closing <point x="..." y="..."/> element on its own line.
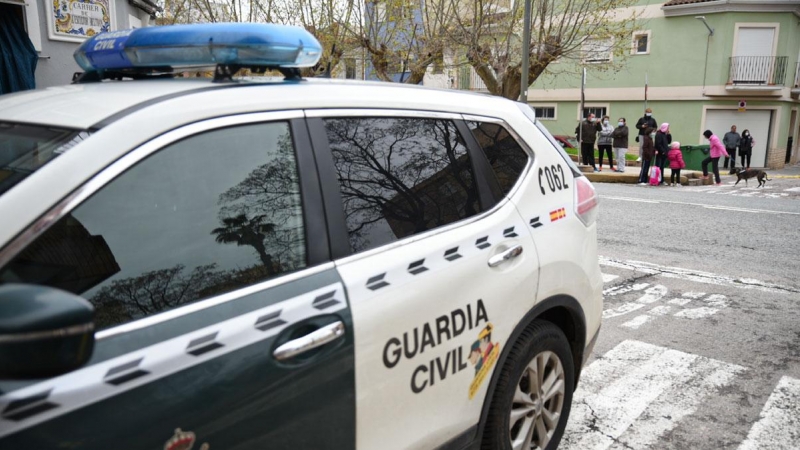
<point x="533" y="395"/>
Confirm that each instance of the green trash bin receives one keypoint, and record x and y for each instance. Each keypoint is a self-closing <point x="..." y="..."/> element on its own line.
<point x="693" y="155"/>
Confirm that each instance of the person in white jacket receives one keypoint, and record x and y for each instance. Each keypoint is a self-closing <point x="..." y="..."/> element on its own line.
<point x="605" y="141"/>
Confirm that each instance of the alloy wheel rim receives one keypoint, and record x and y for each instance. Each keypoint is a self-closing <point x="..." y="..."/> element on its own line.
<point x="538" y="403"/>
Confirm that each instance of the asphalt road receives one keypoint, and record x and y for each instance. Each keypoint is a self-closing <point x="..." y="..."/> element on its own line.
<point x="700" y="345"/>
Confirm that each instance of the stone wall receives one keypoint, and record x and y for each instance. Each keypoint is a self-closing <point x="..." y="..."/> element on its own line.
<point x="776" y="158"/>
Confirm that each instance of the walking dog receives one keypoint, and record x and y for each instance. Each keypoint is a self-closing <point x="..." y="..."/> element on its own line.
<point x="751" y="173"/>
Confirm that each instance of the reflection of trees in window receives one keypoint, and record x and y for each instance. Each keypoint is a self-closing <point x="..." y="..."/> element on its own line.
<point x="240" y="230"/>
<point x="505" y="155"/>
<point x="257" y="208"/>
<point x="263" y="211"/>
<point x="400" y="177"/>
<point x="151" y="292"/>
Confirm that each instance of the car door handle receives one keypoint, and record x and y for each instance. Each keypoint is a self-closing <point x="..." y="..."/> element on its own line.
<point x="500" y="258"/>
<point x="318" y="338"/>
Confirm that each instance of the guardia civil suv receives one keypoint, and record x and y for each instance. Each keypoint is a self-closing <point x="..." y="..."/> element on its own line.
<point x="283" y="263"/>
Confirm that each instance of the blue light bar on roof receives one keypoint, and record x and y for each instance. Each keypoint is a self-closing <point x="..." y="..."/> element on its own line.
<point x="176" y="46"/>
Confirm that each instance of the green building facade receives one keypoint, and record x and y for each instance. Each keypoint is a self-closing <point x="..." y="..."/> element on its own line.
<point x="708" y="64"/>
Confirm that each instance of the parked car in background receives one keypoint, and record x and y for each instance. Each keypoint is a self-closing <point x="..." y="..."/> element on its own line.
<point x="566" y="141"/>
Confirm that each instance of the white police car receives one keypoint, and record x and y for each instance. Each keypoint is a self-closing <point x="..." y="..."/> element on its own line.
<point x="284" y="264"/>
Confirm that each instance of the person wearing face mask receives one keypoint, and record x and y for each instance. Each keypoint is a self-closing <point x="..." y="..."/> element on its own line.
<point x="645" y="122"/>
<point x="620" y="136"/>
<point x="731" y="141"/>
<point x="605" y="141"/>
<point x="662" y="141"/>
<point x="746" y="148"/>
<point x="586" y="132"/>
<point x="648" y="153"/>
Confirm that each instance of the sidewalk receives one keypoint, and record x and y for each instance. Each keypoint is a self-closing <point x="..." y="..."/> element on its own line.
<point x="631" y="176"/>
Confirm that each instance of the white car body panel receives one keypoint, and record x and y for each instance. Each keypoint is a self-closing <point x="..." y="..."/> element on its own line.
<point x="444" y="409"/>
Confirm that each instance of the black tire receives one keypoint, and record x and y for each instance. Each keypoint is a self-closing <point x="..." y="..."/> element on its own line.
<point x="546" y="341"/>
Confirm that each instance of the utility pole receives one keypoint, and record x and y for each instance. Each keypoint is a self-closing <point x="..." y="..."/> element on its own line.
<point x="526" y="51"/>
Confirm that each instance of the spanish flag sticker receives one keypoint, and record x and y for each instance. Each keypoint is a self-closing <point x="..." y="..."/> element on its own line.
<point x="558" y="214"/>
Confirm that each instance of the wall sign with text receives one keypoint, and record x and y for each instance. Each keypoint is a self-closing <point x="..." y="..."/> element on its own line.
<point x="77" y="20"/>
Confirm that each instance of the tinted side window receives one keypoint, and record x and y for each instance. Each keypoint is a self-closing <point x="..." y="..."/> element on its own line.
<point x="206" y="215"/>
<point x="400" y="176"/>
<point x="505" y="155"/>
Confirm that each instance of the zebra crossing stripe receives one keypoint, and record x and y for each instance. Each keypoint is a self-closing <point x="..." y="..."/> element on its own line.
<point x="624" y="389"/>
<point x="607" y="277"/>
<point x="778" y="426"/>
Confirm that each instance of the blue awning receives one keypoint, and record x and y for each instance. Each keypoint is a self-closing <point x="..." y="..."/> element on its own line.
<point x="18" y="57"/>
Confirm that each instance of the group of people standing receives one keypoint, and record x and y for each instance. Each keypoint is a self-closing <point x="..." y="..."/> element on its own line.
<point x="656" y="147"/>
<point x="607" y="137"/>
<point x="654" y="143"/>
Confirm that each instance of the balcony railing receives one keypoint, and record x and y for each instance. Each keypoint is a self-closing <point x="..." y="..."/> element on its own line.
<point x="468" y="79"/>
<point x="758" y="70"/>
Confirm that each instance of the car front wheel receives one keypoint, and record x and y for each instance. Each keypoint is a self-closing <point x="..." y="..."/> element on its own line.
<point x="534" y="392"/>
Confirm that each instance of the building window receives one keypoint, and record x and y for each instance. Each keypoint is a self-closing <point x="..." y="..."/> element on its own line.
<point x="350" y="68"/>
<point x="545" y="112"/>
<point x="597" y="51"/>
<point x="598" y="111"/>
<point x="641" y="43"/>
<point x="27" y="14"/>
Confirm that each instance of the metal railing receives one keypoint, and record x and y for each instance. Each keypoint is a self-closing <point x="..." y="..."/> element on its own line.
<point x="468" y="79"/>
<point x="758" y="70"/>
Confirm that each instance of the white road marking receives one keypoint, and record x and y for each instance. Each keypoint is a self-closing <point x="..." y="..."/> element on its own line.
<point x="637" y="322"/>
<point x="726" y="208"/>
<point x="660" y="310"/>
<point x="608" y="277"/>
<point x="694" y="294"/>
<point x="617" y="290"/>
<point x="651" y="295"/>
<point x="691" y="275"/>
<point x="679" y="301"/>
<point x="778" y="426"/>
<point x="794" y="189"/>
<point x="625" y="308"/>
<point x="696" y="313"/>
<point x="625" y="389"/>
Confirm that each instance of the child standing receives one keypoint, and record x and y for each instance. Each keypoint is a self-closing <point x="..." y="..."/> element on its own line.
<point x="675" y="162"/>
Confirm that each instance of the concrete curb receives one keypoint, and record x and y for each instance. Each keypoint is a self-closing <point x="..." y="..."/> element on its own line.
<point x="631" y="176"/>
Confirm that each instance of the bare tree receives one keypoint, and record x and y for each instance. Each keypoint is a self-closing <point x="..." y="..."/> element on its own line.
<point x="401" y="36"/>
<point x="489" y="35"/>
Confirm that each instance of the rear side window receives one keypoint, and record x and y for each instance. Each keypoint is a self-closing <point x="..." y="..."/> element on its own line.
<point x="400" y="177"/>
<point x="203" y="216"/>
<point x="504" y="153"/>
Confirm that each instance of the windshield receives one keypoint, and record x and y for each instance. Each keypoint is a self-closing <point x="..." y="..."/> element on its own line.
<point x="26" y="148"/>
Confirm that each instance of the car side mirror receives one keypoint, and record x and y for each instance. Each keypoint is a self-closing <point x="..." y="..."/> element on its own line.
<point x="43" y="331"/>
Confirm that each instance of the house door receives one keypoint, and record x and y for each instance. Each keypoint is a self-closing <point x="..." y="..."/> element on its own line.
<point x="792" y="136"/>
<point x="753" y="58"/>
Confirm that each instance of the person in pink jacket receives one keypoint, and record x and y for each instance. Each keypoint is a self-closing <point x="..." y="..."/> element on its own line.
<point x="675" y="162"/>
<point x="717" y="152"/>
